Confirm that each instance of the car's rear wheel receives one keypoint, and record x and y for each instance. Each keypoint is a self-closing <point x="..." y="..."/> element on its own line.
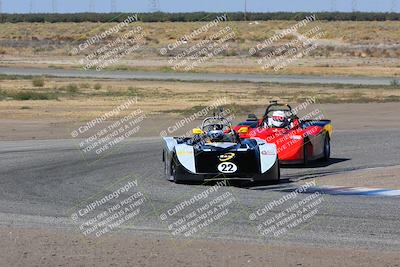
<point x="306" y="152"/>
<point x="279" y="172"/>
<point x="327" y="149"/>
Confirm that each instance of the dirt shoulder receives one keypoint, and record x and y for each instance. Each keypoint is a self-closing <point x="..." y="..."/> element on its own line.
<point x="345" y="117"/>
<point x="39" y="247"/>
<point x="384" y="177"/>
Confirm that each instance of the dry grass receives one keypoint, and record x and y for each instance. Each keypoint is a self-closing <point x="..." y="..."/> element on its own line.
<point x="349" y="48"/>
<point x="77" y="99"/>
<point x="374" y="32"/>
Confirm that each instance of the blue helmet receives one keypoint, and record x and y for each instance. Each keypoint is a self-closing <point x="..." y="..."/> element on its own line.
<point x="216" y="135"/>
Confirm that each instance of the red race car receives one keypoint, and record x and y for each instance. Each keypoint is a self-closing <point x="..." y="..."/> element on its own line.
<point x="297" y="141"/>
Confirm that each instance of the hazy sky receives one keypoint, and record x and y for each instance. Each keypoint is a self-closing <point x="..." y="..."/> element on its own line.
<point x="24" y="6"/>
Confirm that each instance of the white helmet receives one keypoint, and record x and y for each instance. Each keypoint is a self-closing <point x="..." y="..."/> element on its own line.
<point x="278" y="119"/>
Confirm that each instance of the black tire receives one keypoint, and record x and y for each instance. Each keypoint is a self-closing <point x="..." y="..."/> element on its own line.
<point x="276" y="172"/>
<point x="279" y="173"/>
<point x="167" y="167"/>
<point x="273" y="175"/>
<point x="165" y="164"/>
<point x="306" y="156"/>
<point x="174" y="171"/>
<point x="327" y="149"/>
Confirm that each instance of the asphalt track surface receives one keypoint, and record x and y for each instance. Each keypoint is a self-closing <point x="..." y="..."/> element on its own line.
<point x="306" y="79"/>
<point x="42" y="180"/>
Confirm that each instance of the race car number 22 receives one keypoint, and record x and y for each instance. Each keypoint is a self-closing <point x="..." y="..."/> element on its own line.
<point x="227" y="167"/>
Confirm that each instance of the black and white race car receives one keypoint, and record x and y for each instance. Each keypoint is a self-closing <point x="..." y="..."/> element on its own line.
<point x="215" y="152"/>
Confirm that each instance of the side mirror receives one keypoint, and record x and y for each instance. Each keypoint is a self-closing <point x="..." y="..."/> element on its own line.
<point x="243" y="130"/>
<point x="197" y="131"/>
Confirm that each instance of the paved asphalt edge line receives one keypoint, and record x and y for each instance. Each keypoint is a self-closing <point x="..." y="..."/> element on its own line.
<point x="351" y="191"/>
<point x="247" y="77"/>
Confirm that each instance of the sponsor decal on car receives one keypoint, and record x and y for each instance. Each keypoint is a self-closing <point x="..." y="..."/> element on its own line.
<point x="226" y="156"/>
<point x="268" y="152"/>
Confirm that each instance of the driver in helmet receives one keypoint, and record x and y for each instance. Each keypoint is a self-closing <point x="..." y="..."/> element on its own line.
<point x="216" y="135"/>
<point x="278" y="120"/>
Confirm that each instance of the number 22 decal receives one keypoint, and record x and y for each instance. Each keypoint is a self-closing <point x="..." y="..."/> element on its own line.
<point x="227" y="167"/>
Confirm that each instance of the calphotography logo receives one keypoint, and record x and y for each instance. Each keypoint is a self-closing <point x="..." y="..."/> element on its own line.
<point x="201" y="114"/>
<point x="103" y="134"/>
<point x="105" y="34"/>
<point x="201" y="212"/>
<point x="108" y="211"/>
<point x="200" y="46"/>
<point x="284" y="55"/>
<point x="199" y="133"/>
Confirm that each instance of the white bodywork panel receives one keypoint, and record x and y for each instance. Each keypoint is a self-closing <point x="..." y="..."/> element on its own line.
<point x="185" y="155"/>
<point x="268" y="156"/>
<point x="170" y="142"/>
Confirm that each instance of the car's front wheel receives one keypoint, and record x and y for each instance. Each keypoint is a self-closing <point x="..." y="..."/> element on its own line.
<point x="327" y="149"/>
<point x="174" y="172"/>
